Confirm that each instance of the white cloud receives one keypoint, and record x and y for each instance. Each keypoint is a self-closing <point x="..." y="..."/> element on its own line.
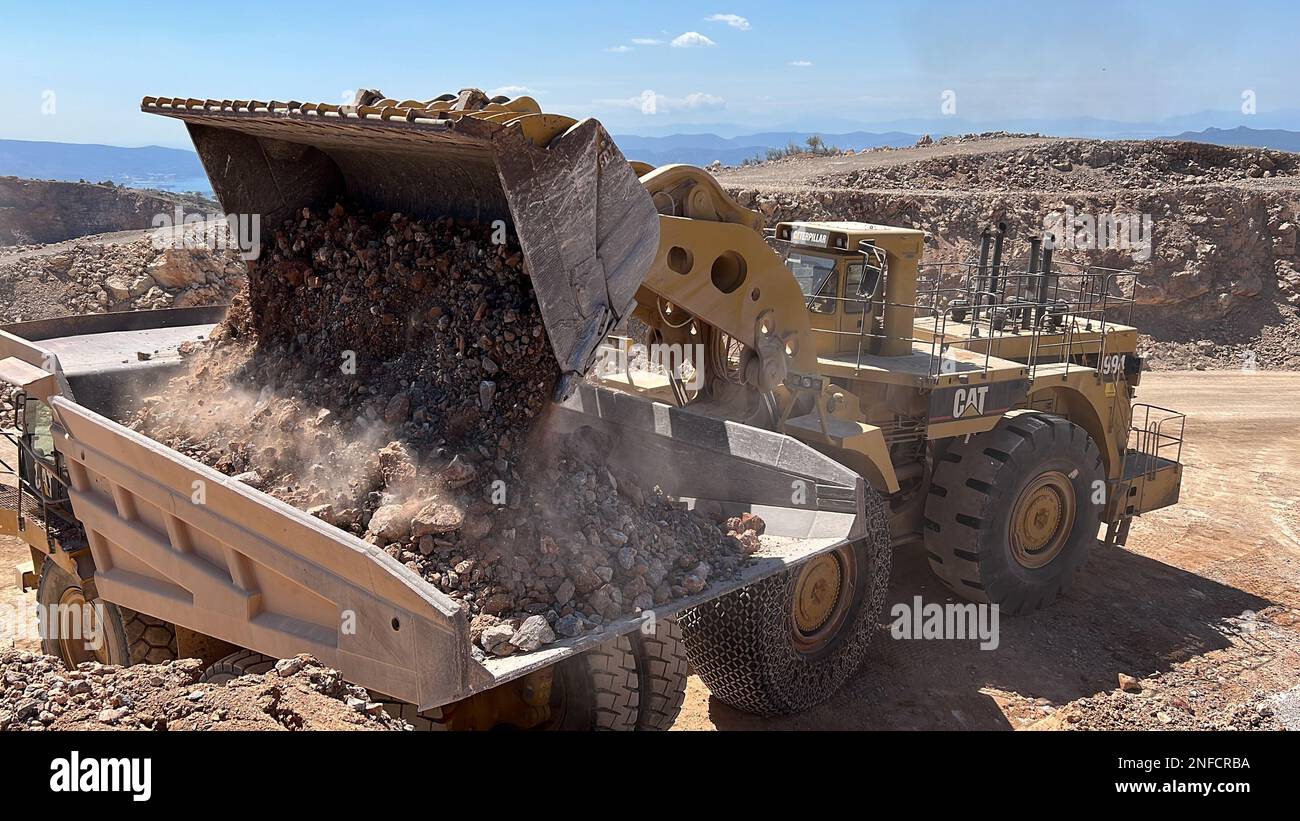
<point x="649" y="103"/>
<point x="701" y="100"/>
<point x="733" y="20"/>
<point x="692" y="38"/>
<point x="647" y="41"/>
<point x="511" y="91"/>
<point x="801" y="63"/>
<point x="619" y="49"/>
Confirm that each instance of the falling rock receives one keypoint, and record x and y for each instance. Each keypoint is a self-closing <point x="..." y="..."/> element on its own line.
<point x="435" y="519"/>
<point x="564" y="593"/>
<point x="570" y="625"/>
<point x="458" y="473"/>
<point x="532" y="634"/>
<point x="390" y="522"/>
<point x="398" y="409"/>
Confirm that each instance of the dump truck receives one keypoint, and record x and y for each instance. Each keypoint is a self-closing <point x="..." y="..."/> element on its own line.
<point x="821" y="378"/>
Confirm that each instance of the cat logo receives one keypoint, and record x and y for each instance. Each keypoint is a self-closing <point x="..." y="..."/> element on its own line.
<point x="969" y="401"/>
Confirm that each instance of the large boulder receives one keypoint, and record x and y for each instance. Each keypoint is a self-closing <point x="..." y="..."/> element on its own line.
<point x="176" y="268"/>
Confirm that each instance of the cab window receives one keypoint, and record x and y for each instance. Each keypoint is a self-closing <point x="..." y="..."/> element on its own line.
<point x="853" y="285"/>
<point x="818" y="280"/>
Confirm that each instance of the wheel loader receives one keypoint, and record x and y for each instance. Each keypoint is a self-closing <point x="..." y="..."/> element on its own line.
<point x="855" y="399"/>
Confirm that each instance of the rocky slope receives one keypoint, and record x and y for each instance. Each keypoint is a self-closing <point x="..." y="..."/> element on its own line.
<point x="1219" y="283"/>
<point x="44" y="211"/>
<point x="118" y="272"/>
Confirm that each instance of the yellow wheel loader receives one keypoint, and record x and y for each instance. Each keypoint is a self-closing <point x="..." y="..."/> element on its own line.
<point x="816" y="374"/>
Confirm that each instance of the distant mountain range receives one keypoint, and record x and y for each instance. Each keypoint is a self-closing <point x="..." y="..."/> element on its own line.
<point x="702" y="149"/>
<point x="179" y="170"/>
<point x="1242" y="136"/>
<point x="166" y="169"/>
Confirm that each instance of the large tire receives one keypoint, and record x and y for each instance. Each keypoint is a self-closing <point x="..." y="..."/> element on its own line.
<point x="239" y="663"/>
<point x="598" y="690"/>
<point x="750" y="649"/>
<point x="662" y="670"/>
<point x="130" y="637"/>
<point x="1012" y="513"/>
<point x="152" y="641"/>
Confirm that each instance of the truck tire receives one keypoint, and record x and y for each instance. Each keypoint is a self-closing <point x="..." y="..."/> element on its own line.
<point x="239" y="663"/>
<point x="782" y="645"/>
<point x="129" y="637"/>
<point x="1012" y="513"/>
<point x="662" y="670"/>
<point x="152" y="641"/>
<point x="598" y="690"/>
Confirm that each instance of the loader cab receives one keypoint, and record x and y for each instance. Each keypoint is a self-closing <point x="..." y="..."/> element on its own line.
<point x="841" y="274"/>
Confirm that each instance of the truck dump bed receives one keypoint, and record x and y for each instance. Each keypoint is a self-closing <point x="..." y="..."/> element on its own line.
<point x="182" y="542"/>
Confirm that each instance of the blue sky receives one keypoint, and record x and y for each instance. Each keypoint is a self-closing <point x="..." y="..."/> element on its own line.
<point x="648" y="68"/>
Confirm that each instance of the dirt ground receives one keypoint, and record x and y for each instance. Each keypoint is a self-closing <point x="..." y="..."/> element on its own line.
<point x="1203" y="605"/>
<point x="1172" y="606"/>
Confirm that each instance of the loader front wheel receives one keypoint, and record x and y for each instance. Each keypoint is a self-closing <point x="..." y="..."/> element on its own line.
<point x="77" y="630"/>
<point x="788" y="642"/>
<point x="1012" y="513"/>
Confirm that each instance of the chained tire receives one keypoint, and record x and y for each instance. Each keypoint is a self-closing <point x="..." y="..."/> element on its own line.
<point x="662" y="670"/>
<point x="1012" y="513"/>
<point x="790" y="641"/>
<point x="129" y="637"/>
<point x="599" y="689"/>
<point x="239" y="663"/>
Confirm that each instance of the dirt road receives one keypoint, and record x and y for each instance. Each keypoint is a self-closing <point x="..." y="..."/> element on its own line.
<point x="1177" y="605"/>
<point x="1170" y="603"/>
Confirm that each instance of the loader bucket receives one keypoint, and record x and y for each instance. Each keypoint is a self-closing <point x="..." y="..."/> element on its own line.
<point x="588" y="229"/>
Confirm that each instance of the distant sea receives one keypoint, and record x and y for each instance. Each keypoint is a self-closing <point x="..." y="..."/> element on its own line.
<point x="165" y="182"/>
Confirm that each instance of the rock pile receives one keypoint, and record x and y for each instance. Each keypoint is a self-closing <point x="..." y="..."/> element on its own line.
<point x="1077" y="165"/>
<point x="38" y="693"/>
<point x="385" y="376"/>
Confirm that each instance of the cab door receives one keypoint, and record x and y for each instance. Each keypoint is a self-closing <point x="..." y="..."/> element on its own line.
<point x="855" y="312"/>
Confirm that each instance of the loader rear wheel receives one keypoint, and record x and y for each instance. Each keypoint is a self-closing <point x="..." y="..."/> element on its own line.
<point x="128" y="637"/>
<point x="597" y="690"/>
<point x="239" y="663"/>
<point x="789" y="642"/>
<point x="1012" y="513"/>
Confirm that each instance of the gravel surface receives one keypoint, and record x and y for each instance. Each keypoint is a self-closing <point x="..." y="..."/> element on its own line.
<point x="38" y="693"/>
